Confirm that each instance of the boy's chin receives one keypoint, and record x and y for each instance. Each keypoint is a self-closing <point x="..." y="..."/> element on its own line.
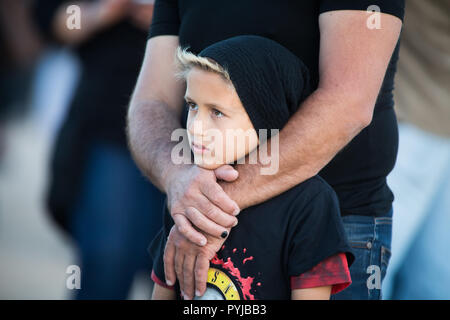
<point x="209" y="165"/>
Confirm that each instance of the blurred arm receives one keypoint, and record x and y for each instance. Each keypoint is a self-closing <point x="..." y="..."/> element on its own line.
<point x="94" y="16"/>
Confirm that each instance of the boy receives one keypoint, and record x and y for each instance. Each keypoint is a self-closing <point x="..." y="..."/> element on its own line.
<point x="291" y="246"/>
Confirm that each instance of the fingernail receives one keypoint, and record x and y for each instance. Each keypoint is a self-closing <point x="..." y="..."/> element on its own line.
<point x="169" y="283"/>
<point x="224" y="234"/>
<point x="197" y="293"/>
<point x="236" y="212"/>
<point x="202" y="242"/>
<point x="235" y="224"/>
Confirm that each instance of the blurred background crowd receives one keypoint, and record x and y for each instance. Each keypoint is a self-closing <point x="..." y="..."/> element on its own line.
<point x="70" y="193"/>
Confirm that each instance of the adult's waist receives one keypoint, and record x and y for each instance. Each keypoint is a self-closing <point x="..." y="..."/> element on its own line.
<point x="358" y="172"/>
<point x="365" y="198"/>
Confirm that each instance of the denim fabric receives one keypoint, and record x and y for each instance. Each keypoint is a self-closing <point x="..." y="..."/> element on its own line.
<point x="117" y="215"/>
<point x="370" y="238"/>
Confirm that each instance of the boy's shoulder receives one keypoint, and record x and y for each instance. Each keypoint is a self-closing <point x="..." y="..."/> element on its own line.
<point x="311" y="187"/>
<point x="299" y="197"/>
<point x="308" y="190"/>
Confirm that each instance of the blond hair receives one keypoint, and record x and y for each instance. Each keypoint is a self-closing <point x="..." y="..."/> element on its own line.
<point x="187" y="60"/>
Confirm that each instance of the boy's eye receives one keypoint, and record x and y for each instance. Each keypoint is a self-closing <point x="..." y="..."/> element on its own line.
<point x="192" y="106"/>
<point x="217" y="113"/>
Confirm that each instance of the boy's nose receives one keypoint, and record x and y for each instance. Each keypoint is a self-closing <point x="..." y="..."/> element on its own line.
<point x="198" y="126"/>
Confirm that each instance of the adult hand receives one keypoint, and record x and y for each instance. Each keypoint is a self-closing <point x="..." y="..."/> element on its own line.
<point x="188" y="262"/>
<point x="195" y="198"/>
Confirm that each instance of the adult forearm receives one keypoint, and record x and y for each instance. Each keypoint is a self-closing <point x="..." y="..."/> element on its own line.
<point x="150" y="125"/>
<point x="323" y="125"/>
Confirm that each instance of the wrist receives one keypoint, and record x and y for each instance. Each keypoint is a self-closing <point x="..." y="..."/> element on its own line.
<point x="241" y="190"/>
<point x="171" y="175"/>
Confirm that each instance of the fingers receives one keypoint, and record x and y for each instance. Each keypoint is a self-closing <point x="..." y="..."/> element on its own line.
<point x="226" y="173"/>
<point x="201" y="274"/>
<point x="188" y="277"/>
<point x="187" y="263"/>
<point x="204" y="224"/>
<point x="169" y="260"/>
<point x="185" y="228"/>
<point x="179" y="261"/>
<point x="215" y="214"/>
<point x="218" y="197"/>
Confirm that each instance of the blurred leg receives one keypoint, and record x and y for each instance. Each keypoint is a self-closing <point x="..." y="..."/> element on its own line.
<point x="118" y="214"/>
<point x="425" y="271"/>
<point x="422" y="161"/>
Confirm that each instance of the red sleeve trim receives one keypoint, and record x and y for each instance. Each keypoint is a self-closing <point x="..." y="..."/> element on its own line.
<point x="332" y="271"/>
<point x="160" y="282"/>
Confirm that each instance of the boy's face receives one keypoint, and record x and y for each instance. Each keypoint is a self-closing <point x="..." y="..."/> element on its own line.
<point x="217" y="121"/>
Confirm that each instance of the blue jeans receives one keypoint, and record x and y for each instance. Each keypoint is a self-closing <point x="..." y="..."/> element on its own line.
<point x="118" y="213"/>
<point x="370" y="238"/>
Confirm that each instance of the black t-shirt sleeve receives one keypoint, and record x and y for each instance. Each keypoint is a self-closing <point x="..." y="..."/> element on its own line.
<point x="392" y="7"/>
<point x="158" y="244"/>
<point x="166" y="19"/>
<point x="316" y="232"/>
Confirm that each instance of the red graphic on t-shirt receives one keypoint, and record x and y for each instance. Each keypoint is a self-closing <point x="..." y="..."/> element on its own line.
<point x="244" y="283"/>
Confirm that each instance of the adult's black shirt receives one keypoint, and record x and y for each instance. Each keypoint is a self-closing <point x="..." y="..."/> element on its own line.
<point x="358" y="172"/>
<point x="294" y="232"/>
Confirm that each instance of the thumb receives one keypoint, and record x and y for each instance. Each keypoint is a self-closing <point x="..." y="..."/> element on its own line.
<point x="227" y="173"/>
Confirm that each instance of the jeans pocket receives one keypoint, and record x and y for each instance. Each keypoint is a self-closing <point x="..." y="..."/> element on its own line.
<point x="385" y="257"/>
<point x="361" y="244"/>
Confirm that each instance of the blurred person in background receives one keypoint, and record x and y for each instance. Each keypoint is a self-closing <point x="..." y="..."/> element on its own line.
<point x="19" y="49"/>
<point x="96" y="192"/>
<point x="420" y="265"/>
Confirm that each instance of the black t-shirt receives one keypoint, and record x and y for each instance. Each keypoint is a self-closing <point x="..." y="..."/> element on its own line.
<point x="358" y="172"/>
<point x="274" y="240"/>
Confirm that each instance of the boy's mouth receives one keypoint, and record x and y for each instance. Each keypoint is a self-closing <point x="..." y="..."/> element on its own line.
<point x="199" y="148"/>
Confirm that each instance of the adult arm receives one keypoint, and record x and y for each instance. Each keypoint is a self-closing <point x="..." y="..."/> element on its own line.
<point x="352" y="63"/>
